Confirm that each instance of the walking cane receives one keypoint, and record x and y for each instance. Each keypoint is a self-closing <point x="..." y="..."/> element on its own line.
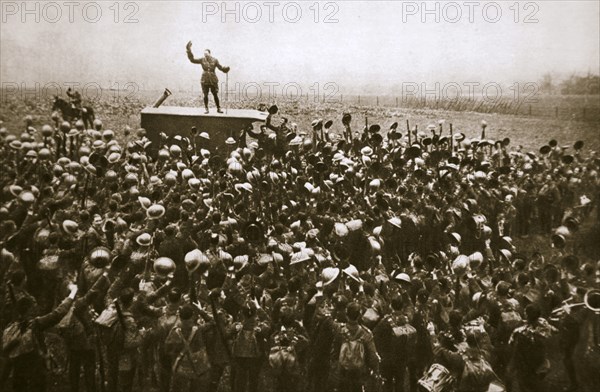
<point x="226" y="92"/>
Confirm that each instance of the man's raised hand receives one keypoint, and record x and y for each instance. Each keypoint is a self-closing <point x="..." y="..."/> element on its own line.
<point x="189" y="45"/>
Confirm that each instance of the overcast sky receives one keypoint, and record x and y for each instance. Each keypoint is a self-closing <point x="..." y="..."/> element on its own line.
<point x="372" y="45"/>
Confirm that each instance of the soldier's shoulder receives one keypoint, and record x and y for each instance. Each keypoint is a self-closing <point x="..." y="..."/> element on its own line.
<point x="366" y="332"/>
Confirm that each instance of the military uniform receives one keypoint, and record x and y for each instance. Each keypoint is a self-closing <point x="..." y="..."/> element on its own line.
<point x="209" y="81"/>
<point x="75" y="99"/>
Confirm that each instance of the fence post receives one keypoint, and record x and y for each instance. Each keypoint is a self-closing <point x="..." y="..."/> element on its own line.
<point x="359" y="99"/>
<point x="396" y="101"/>
<point x="378" y="100"/>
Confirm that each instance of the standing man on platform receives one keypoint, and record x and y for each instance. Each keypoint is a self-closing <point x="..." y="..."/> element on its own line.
<point x="209" y="80"/>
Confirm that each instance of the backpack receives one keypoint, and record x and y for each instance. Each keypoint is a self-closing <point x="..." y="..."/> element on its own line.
<point x="106" y="322"/>
<point x="477" y="374"/>
<point x="283" y="358"/>
<point x="246" y="344"/>
<point x="404" y="337"/>
<point x="113" y="333"/>
<point x="17" y="341"/>
<point x="437" y="379"/>
<point x="125" y="338"/>
<point x="190" y="363"/>
<point x="352" y="353"/>
<point x="71" y="329"/>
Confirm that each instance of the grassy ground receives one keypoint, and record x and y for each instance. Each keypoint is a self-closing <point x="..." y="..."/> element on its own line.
<point x="530" y="131"/>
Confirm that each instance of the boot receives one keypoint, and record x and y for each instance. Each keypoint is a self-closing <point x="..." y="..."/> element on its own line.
<point x="206" y="110"/>
<point x="219" y="110"/>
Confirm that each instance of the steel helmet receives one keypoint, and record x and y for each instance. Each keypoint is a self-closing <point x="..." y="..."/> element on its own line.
<point x="163" y="266"/>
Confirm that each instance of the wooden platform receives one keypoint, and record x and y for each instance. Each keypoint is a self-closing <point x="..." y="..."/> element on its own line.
<point x="178" y="120"/>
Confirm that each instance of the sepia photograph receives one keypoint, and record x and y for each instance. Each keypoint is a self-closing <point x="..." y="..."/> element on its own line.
<point x="300" y="196"/>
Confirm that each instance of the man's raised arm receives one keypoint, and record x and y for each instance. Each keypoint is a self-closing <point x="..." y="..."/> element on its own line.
<point x="190" y="55"/>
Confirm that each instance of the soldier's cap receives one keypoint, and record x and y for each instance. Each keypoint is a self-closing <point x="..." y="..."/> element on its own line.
<point x="69" y="227"/>
<point x="16" y="145"/>
<point x="567" y="159"/>
<point x="459" y="137"/>
<point x="368" y="151"/>
<point x="346" y="118"/>
<point x="506" y="254"/>
<point x="455" y="238"/>
<point x="374" y="128"/>
<point x="478" y="296"/>
<point x="531" y="155"/>
<point x="15" y="190"/>
<point x="352" y="272"/>
<point x="44" y="154"/>
<point x="545" y="149"/>
<point x="114" y="157"/>
<point x="296" y="141"/>
<point x="27" y="197"/>
<point x="401" y="277"/>
<point x="100" y="256"/>
<point x="329" y="274"/>
<point x="164" y="266"/>
<point x="155" y="211"/>
<point x="144" y="239"/>
<point x="376" y="138"/>
<point x="393" y="134"/>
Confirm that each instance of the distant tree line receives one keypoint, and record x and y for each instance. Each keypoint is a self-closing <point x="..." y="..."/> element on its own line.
<point x="573" y="85"/>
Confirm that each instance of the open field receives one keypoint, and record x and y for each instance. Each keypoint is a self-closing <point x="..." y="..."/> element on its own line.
<point x="531" y="131"/>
